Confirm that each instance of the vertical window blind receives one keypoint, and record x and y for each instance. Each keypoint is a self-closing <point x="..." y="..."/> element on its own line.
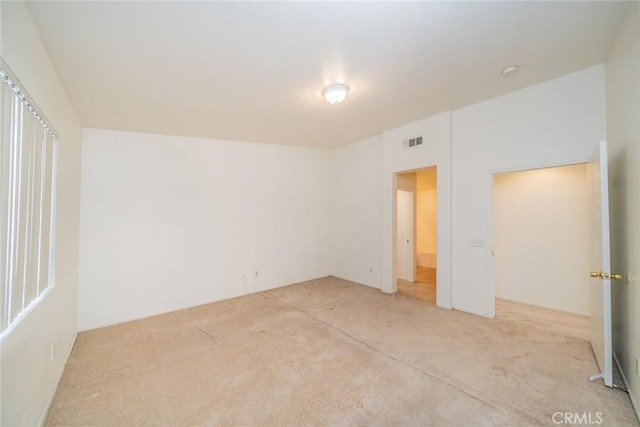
<point x="27" y="200"/>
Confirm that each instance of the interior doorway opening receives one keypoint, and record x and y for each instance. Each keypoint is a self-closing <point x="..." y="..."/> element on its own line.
<point x="416" y="234"/>
<point x="541" y="246"/>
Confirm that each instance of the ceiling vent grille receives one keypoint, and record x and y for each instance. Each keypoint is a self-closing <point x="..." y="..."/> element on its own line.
<point x="412" y="142"/>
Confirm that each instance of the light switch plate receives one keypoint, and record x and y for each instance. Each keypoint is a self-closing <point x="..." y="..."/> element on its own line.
<point x="477" y="243"/>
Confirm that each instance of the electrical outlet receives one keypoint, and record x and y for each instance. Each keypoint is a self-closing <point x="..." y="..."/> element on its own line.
<point x="256" y="273"/>
<point x="53" y="352"/>
<point x="638" y="366"/>
<point x="477" y="243"/>
<point x="370" y="270"/>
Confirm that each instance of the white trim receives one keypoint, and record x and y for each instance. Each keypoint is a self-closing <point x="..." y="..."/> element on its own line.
<point x="544" y="165"/>
<point x="43" y="417"/>
<point x="448" y="304"/>
<point x="394" y="238"/>
<point x="491" y="279"/>
<point x="24" y="313"/>
<point x="443" y="299"/>
<point x="634" y="402"/>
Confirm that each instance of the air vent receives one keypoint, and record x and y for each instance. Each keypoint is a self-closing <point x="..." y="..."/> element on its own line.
<point x="412" y="142"/>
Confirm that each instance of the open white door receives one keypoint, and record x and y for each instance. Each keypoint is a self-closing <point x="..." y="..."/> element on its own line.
<point x="404" y="235"/>
<point x="600" y="264"/>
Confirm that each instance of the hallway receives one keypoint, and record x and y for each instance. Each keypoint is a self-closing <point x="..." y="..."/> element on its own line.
<point x="423" y="289"/>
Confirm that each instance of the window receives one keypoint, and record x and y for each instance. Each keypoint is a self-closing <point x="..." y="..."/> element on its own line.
<point x="27" y="200"/>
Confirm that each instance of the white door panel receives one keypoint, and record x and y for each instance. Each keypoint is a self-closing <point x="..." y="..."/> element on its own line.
<point x="600" y="264"/>
<point x="405" y="235"/>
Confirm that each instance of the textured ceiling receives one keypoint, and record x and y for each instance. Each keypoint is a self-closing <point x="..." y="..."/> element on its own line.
<point x="255" y="71"/>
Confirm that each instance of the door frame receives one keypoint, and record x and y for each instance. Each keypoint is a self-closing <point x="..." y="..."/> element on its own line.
<point x="443" y="249"/>
<point x="491" y="291"/>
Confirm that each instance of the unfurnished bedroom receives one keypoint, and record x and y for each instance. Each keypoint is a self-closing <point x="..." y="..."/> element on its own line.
<point x="319" y="213"/>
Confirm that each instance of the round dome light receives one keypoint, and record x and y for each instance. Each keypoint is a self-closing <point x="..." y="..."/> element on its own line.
<point x="335" y="94"/>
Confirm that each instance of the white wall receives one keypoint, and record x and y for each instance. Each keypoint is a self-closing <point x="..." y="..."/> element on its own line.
<point x="29" y="376"/>
<point x="357" y="216"/>
<point x="172" y="222"/>
<point x="623" y="124"/>
<point x="556" y="122"/>
<point x="541" y="237"/>
<point x="435" y="151"/>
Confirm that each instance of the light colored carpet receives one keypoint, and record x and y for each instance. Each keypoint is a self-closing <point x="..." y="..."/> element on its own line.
<point x="330" y="352"/>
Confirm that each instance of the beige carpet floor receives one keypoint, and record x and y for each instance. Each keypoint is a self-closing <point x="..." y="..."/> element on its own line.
<point x="330" y="352"/>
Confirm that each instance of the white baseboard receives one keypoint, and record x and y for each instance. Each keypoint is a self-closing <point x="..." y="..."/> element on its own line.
<point x="634" y="402"/>
<point x="43" y="417"/>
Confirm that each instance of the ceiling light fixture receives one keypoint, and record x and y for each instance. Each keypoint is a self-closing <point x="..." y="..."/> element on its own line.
<point x="335" y="94"/>
<point x="509" y="70"/>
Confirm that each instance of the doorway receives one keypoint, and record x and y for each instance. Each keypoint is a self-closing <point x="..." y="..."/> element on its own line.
<point x="417" y="229"/>
<point x="541" y="245"/>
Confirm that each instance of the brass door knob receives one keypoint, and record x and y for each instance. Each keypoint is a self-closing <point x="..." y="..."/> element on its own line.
<point x="601" y="275"/>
